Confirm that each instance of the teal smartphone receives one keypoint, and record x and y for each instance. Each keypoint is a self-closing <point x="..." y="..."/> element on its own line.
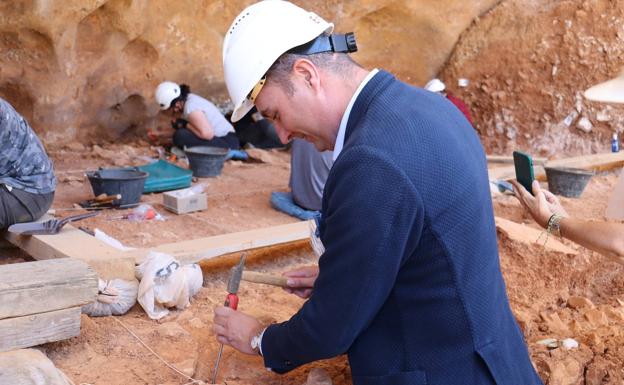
<point x="524" y="170"/>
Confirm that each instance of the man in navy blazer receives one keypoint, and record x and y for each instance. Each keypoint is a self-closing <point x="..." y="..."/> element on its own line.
<point x="409" y="285"/>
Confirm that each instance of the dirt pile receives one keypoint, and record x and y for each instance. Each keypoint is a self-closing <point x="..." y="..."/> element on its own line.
<point x="528" y="63"/>
<point x="577" y="295"/>
<point x="555" y="292"/>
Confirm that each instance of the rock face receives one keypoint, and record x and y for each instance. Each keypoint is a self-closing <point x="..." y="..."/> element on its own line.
<point x="529" y="63"/>
<point x="87" y="69"/>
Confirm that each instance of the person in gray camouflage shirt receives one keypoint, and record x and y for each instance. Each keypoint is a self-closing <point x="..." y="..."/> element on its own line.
<point x="27" y="181"/>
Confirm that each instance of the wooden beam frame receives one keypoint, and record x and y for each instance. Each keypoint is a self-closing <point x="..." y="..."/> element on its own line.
<point x="110" y="263"/>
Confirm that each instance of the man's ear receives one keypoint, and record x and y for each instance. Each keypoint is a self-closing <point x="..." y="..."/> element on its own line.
<point x="307" y="72"/>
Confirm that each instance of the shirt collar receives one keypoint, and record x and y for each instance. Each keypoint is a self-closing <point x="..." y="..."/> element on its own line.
<point x="345" y="117"/>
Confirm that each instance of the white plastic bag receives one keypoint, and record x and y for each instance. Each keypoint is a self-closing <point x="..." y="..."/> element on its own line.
<point x="164" y="284"/>
<point x="115" y="297"/>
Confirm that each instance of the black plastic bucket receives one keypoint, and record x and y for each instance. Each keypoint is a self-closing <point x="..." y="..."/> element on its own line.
<point x="127" y="182"/>
<point x="206" y="161"/>
<point x="568" y="182"/>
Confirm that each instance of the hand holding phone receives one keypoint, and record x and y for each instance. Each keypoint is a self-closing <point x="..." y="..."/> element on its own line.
<point x="524" y="170"/>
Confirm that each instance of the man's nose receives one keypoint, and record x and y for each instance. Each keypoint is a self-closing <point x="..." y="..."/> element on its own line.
<point x="282" y="133"/>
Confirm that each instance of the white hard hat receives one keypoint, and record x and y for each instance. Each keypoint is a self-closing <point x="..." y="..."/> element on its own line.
<point x="257" y="38"/>
<point x="166" y="92"/>
<point x="611" y="91"/>
<point x="435" y="85"/>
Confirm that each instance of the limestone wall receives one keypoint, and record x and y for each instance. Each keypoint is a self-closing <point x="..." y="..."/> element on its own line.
<point x="87" y="69"/>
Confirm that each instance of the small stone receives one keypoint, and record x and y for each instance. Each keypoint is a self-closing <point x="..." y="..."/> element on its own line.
<point x="72" y="178"/>
<point x="551" y="343"/>
<point x="554" y="323"/>
<point x="566" y="371"/>
<point x="616" y="314"/>
<point x="580" y="303"/>
<point x="184" y="315"/>
<point x="596" y="317"/>
<point x="603" y="116"/>
<point x="318" y="376"/>
<point x="75" y="146"/>
<point x="172" y="329"/>
<point x="595" y="375"/>
<point x="584" y="125"/>
<point x="187" y="367"/>
<point x="569" y="343"/>
<point x="197" y="323"/>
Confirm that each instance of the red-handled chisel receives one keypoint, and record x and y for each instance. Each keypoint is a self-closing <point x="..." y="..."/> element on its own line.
<point x="231" y="301"/>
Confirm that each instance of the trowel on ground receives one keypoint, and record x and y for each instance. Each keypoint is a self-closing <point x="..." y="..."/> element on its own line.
<point x="52" y="226"/>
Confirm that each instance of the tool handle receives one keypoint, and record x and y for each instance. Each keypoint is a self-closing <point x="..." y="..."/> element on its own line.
<point x="268" y="279"/>
<point x="103" y="198"/>
<point x="78" y="217"/>
<point x="231" y="301"/>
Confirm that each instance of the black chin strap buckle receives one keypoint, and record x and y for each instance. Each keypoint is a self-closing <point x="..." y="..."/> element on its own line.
<point x="343" y="43"/>
<point x="324" y="43"/>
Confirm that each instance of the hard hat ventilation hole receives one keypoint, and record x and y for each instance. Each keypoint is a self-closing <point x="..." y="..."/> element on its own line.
<point x="240" y="19"/>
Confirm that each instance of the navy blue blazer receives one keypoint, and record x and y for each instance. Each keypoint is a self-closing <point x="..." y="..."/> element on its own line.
<point x="410" y="285"/>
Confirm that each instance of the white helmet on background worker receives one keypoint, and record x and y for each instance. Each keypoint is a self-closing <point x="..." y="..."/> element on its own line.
<point x="256" y="39"/>
<point x="166" y="92"/>
<point x="435" y="85"/>
<point x="611" y="91"/>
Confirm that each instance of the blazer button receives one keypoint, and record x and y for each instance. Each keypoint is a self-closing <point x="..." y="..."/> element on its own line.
<point x="287" y="363"/>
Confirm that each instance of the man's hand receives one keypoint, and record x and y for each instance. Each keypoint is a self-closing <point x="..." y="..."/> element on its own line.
<point x="235" y="329"/>
<point x="301" y="281"/>
<point x="541" y="205"/>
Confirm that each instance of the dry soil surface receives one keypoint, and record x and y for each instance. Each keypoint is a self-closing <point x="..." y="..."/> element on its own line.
<point x="553" y="295"/>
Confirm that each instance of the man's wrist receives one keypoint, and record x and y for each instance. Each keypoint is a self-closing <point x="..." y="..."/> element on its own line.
<point x="256" y="341"/>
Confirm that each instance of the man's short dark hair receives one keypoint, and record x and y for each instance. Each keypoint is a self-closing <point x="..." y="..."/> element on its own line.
<point x="338" y="63"/>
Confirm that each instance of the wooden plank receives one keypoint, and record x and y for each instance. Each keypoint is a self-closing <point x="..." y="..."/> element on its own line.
<point x="596" y="162"/>
<point x="43" y="286"/>
<point x="70" y="242"/>
<point x="32" y="330"/>
<point x="509" y="159"/>
<point x="4" y="244"/>
<point x="211" y="247"/>
<point x="615" y="209"/>
<point x="529" y="235"/>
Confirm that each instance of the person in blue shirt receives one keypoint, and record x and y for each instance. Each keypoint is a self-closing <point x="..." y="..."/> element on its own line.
<point x="409" y="284"/>
<point x="27" y="180"/>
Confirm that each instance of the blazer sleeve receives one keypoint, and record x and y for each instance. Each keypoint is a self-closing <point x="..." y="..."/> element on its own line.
<point x="373" y="218"/>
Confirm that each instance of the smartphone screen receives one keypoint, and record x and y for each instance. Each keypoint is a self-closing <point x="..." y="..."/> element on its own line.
<point x="524" y="170"/>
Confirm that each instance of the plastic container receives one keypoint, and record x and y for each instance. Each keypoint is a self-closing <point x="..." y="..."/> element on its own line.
<point x="615" y="143"/>
<point x="127" y="182"/>
<point x="206" y="161"/>
<point x="567" y="182"/>
<point x="164" y="176"/>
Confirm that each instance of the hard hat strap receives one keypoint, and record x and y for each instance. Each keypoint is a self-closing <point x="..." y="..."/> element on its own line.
<point x="256" y="90"/>
<point x="323" y="43"/>
<point x="327" y="43"/>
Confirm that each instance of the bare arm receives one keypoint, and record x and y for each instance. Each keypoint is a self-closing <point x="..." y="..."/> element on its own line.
<point x="199" y="125"/>
<point x="603" y="237"/>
